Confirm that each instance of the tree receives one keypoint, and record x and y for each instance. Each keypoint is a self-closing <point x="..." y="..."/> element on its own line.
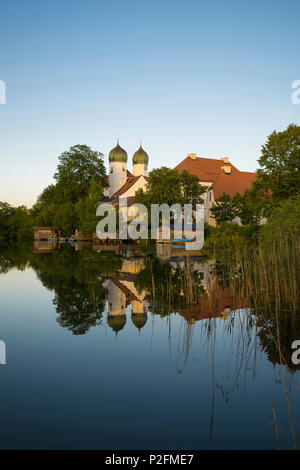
<point x="46" y="214"/>
<point x="77" y="168"/>
<point x="15" y="222"/>
<point x="224" y="210"/>
<point x="73" y="276"/>
<point x="167" y="186"/>
<point x="249" y="207"/>
<point x="66" y="219"/>
<point x="283" y="223"/>
<point x="192" y="189"/>
<point x="279" y="172"/>
<point x="46" y="197"/>
<point x="163" y="187"/>
<point x="6" y="212"/>
<point x="86" y="209"/>
<point x="21" y="223"/>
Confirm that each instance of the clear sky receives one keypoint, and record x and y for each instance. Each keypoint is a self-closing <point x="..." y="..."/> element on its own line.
<point x="211" y="77"/>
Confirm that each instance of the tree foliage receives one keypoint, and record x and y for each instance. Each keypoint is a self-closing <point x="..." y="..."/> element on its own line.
<point x="279" y="172"/>
<point x="86" y="209"/>
<point x="15" y="222"/>
<point x="75" y="171"/>
<point x="69" y="204"/>
<point x="167" y="186"/>
<point x="284" y="222"/>
<point x="224" y="210"/>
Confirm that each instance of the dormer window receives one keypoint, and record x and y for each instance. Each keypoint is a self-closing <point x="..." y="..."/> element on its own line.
<point x="227" y="169"/>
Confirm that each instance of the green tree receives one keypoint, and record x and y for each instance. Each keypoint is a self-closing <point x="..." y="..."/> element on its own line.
<point x="45" y="199"/>
<point x="167" y="186"/>
<point x="224" y="210"/>
<point x="192" y="190"/>
<point x="66" y="219"/>
<point x="163" y="187"/>
<point x="73" y="276"/>
<point x="21" y="223"/>
<point x="46" y="214"/>
<point x="249" y="207"/>
<point x="75" y="171"/>
<point x="279" y="172"/>
<point x="47" y="196"/>
<point x="86" y="209"/>
<point x="15" y="222"/>
<point x="284" y="222"/>
<point x="6" y="212"/>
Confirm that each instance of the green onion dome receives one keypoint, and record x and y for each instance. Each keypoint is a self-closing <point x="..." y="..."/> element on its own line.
<point x="139" y="319"/>
<point x="140" y="156"/>
<point x="118" y="154"/>
<point x="116" y="322"/>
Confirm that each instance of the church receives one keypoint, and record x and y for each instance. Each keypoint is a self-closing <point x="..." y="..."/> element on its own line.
<point x="121" y="182"/>
<point x="218" y="175"/>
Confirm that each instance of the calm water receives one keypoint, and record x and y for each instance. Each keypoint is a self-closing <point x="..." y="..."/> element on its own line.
<point x="95" y="362"/>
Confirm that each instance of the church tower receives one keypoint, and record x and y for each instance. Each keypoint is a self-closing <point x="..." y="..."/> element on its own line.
<point x="117" y="169"/>
<point x="140" y="162"/>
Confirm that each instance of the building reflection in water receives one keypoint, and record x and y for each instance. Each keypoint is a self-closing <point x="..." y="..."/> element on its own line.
<point x="217" y="301"/>
<point x="44" y="246"/>
<point x="122" y="293"/>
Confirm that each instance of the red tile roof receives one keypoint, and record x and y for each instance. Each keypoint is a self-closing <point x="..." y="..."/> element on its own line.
<point x="207" y="169"/>
<point x="233" y="184"/>
<point x="210" y="170"/>
<point x="219" y="300"/>
<point x="130" y="181"/>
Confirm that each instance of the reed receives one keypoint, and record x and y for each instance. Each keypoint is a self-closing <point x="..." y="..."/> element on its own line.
<point x="268" y="275"/>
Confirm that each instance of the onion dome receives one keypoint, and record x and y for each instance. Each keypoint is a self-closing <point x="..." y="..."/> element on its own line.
<point x="139" y="319"/>
<point x="140" y="156"/>
<point x="118" y="154"/>
<point x="116" y="322"/>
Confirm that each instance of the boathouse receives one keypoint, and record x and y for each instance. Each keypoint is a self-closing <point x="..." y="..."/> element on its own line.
<point x="44" y="233"/>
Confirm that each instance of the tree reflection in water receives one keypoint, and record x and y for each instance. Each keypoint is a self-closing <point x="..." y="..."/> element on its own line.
<point x="87" y="283"/>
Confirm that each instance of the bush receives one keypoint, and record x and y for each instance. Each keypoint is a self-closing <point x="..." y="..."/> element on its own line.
<point x="228" y="234"/>
<point x="284" y="222"/>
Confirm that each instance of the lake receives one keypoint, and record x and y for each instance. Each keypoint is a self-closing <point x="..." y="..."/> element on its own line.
<point x="112" y="349"/>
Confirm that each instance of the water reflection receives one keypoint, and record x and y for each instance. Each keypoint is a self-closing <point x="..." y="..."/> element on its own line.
<point x="209" y="326"/>
<point x="90" y="280"/>
<point x="94" y="284"/>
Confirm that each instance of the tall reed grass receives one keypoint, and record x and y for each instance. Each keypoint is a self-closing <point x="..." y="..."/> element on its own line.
<point x="269" y="275"/>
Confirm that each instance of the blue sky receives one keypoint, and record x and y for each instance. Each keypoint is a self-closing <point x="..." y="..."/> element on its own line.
<point x="184" y="76"/>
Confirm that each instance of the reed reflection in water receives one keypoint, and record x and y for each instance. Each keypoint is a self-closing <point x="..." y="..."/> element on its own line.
<point x="204" y="306"/>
